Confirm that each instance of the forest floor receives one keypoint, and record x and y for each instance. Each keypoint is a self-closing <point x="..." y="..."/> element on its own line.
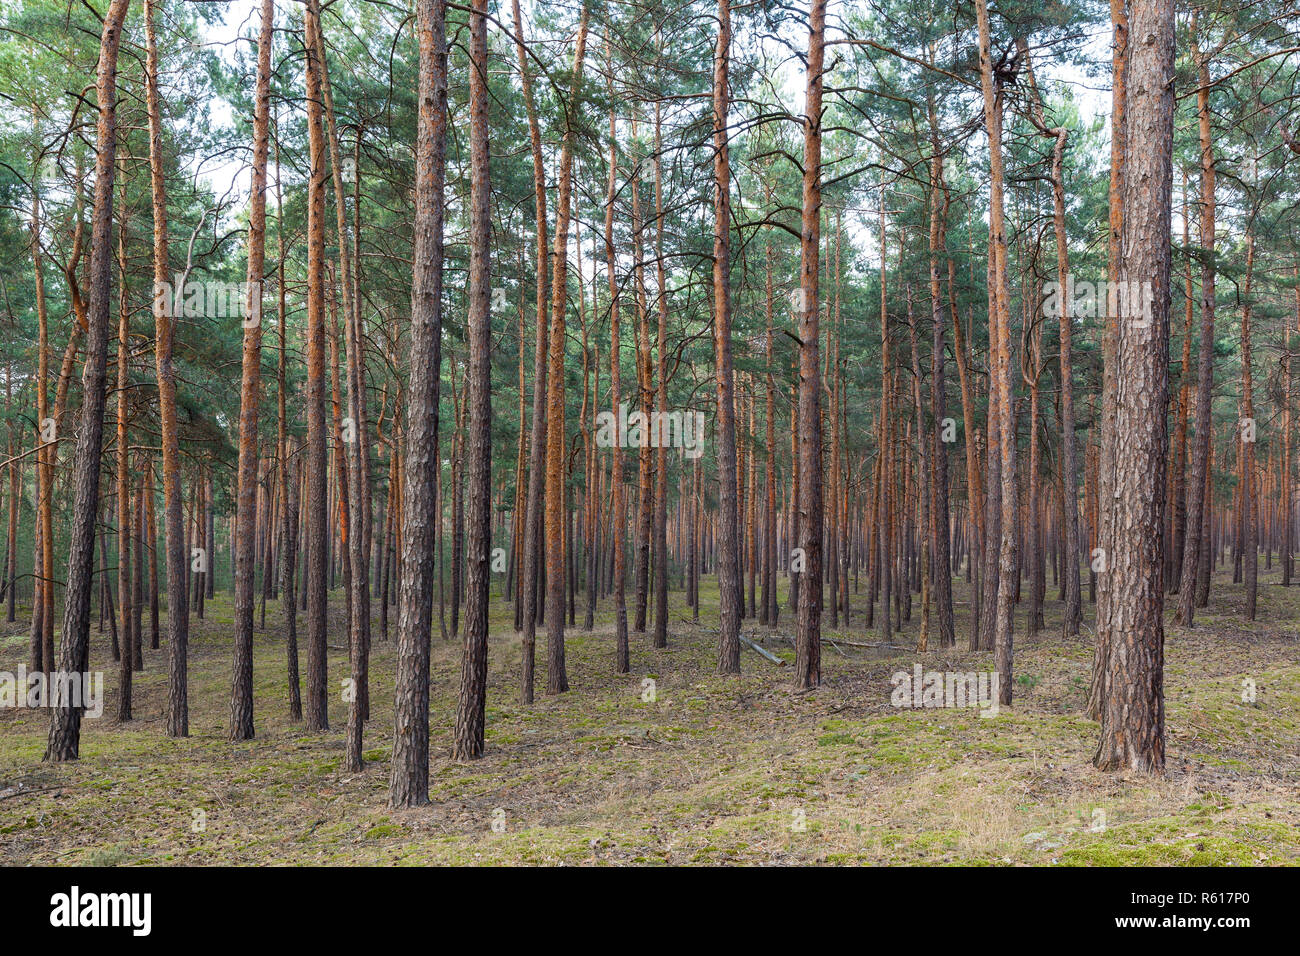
<point x="711" y="770"/>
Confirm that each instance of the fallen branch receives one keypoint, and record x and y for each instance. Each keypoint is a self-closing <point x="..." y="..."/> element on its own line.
<point x="838" y="650"/>
<point x="22" y="792"/>
<point x="761" y="650"/>
<point x="901" y="647"/>
<point x="848" y="643"/>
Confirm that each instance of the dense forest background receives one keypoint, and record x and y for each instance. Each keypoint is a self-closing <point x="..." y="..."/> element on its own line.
<point x="339" y="320"/>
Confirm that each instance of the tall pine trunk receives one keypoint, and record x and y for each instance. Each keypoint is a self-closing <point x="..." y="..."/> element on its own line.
<point x="409" y="783"/>
<point x="728" y="531"/>
<point x="65" y="727"/>
<point x="250" y="395"/>
<point x="808" y="654"/>
<point x="471" y="707"/>
<point x="1132" y="707"/>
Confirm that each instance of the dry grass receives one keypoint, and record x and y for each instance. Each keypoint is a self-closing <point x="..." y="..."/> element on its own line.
<point x="712" y="770"/>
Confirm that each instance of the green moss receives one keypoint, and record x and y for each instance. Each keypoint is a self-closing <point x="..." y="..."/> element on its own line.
<point x="711" y="772"/>
<point x="105" y="856"/>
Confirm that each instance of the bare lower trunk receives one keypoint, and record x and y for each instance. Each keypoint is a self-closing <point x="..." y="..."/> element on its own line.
<point x="808" y="666"/>
<point x="250" y="396"/>
<point x="317" y="502"/>
<point x="1132" y="707"/>
<point x="728" y="531"/>
<point x="409" y="783"/>
<point x="471" y="708"/>
<point x="65" y="727"/>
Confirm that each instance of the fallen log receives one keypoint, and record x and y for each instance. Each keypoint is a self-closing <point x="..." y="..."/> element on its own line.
<point x="761" y="650"/>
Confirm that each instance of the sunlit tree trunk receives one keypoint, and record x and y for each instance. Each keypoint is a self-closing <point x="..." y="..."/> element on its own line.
<point x="125" y="534"/>
<point x="43" y="570"/>
<point x="352" y="461"/>
<point x="317" y="500"/>
<point x="557" y="680"/>
<point x="250" y="395"/>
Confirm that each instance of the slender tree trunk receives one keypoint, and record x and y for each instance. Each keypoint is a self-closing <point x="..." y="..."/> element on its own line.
<point x="471" y="707"/>
<point x="124" y="529"/>
<point x="65" y="727"/>
<point x="884" y="550"/>
<point x="557" y="680"/>
<point x="938" y="397"/>
<point x="660" y="637"/>
<point x="1246" y="437"/>
<point x="808" y="664"/>
<point x="409" y="784"/>
<point x="250" y="395"/>
<point x="1000" y="363"/>
<point x="1070" y="500"/>
<point x="645" y="393"/>
<point x="617" y="507"/>
<point x="1288" y="493"/>
<point x="924" y="530"/>
<point x="317" y="504"/>
<point x="42" y="641"/>
<point x="352" y="460"/>
<point x="537" y="431"/>
<point x="1198" y="506"/>
<point x="770" y="602"/>
<point x="728" y="532"/>
<point x="1104" y="547"/>
<point x="137" y="576"/>
<point x="288" y="487"/>
<point x="173" y="493"/>
<point x="1178" y="516"/>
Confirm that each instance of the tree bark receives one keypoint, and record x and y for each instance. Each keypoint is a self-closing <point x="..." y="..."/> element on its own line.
<point x="317" y="505"/>
<point x="537" y="431"/>
<point x="1197" y="503"/>
<point x="472" y="704"/>
<point x="1132" y="711"/>
<point x="808" y="665"/>
<point x="1000" y="365"/>
<point x="660" y="636"/>
<point x="65" y="727"/>
<point x="250" y="395"/>
<point x="409" y="783"/>
<point x="728" y="532"/>
<point x="617" y="507"/>
<point x="557" y="680"/>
